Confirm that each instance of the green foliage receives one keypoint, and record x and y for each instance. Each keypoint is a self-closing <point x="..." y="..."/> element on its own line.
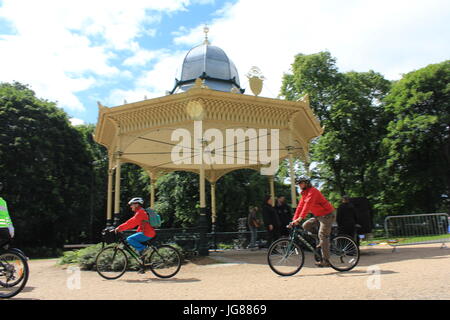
<point x="349" y="107"/>
<point x="45" y="168"/>
<point x="85" y="258"/>
<point x="177" y="197"/>
<point x="417" y="143"/>
<point x="385" y="141"/>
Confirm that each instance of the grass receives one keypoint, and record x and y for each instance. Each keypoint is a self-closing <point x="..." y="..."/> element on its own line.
<point x="406" y="240"/>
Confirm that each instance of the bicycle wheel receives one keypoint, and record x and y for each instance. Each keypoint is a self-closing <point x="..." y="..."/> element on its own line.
<point x="14" y="273"/>
<point x="344" y="253"/>
<point x="285" y="258"/>
<point x="164" y="261"/>
<point x="111" y="263"/>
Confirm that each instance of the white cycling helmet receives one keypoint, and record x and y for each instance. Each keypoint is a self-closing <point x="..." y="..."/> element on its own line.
<point x="136" y="200"/>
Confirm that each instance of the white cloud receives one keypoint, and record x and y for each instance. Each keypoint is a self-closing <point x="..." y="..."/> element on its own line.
<point x="391" y="37"/>
<point x="76" y="121"/>
<point x="161" y="77"/>
<point x="61" y="48"/>
<point x="142" y="57"/>
<point x="152" y="83"/>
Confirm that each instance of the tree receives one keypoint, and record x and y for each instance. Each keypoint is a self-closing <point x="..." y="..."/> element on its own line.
<point x="178" y="197"/>
<point x="96" y="205"/>
<point x="45" y="167"/>
<point x="349" y="106"/>
<point x="417" y="145"/>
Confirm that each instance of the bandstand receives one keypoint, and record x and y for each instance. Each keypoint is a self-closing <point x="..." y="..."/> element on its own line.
<point x="207" y="125"/>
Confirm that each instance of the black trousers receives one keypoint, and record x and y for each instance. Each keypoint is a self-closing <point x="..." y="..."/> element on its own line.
<point x="4" y="236"/>
<point x="272" y="235"/>
<point x="350" y="232"/>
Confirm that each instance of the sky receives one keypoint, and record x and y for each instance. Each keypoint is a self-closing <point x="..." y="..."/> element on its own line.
<point x="79" y="52"/>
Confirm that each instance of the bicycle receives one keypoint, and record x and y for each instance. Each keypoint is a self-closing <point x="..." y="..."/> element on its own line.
<point x="164" y="261"/>
<point x="14" y="271"/>
<point x="286" y="256"/>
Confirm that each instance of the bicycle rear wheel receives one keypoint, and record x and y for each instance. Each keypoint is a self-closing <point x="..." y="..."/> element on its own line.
<point x="164" y="261"/>
<point x="14" y="273"/>
<point x="344" y="253"/>
<point x="111" y="263"/>
<point x="285" y="258"/>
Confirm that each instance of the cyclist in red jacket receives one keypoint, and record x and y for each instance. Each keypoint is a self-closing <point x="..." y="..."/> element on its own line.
<point x="314" y="202"/>
<point x="144" y="231"/>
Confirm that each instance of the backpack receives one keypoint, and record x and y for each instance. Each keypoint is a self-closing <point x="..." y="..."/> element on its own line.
<point x="153" y="218"/>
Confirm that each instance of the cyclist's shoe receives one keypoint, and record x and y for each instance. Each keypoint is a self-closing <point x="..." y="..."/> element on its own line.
<point x="323" y="264"/>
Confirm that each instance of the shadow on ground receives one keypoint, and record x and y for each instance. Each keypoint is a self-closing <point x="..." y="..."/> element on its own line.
<point x="170" y="280"/>
<point x="369" y="255"/>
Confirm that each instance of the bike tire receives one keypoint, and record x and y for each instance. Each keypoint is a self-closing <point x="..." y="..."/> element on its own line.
<point x="279" y="248"/>
<point x="164" y="261"/>
<point x="111" y="263"/>
<point x="23" y="279"/>
<point x="351" y="249"/>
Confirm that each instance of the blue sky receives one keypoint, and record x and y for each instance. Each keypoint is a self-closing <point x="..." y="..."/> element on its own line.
<point x="81" y="52"/>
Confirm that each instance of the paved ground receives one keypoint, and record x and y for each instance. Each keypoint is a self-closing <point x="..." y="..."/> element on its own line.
<point x="413" y="272"/>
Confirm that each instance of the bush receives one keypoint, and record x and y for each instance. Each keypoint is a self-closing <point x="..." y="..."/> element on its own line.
<point x="85" y="258"/>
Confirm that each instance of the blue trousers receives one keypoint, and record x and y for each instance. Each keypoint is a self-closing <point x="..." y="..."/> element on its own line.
<point x="136" y="240"/>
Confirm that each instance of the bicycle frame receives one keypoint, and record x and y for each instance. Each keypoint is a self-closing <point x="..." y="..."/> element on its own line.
<point x="296" y="233"/>
<point x="131" y="251"/>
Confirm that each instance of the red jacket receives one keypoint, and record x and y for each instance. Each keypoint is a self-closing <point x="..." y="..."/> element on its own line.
<point x="312" y="201"/>
<point x="138" y="221"/>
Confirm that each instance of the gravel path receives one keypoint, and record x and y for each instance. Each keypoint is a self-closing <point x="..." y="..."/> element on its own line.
<point x="413" y="272"/>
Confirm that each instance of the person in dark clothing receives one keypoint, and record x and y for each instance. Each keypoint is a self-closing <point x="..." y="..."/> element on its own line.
<point x="284" y="212"/>
<point x="253" y="225"/>
<point x="346" y="218"/>
<point x="271" y="220"/>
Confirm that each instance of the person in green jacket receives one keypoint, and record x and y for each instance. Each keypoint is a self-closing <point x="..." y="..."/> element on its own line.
<point x="6" y="226"/>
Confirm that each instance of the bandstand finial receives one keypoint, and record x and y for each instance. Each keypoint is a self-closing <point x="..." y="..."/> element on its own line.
<point x="206" y="30"/>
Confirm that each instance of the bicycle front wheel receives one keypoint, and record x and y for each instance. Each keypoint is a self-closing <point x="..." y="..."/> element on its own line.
<point x="13" y="274"/>
<point x="164" y="261"/>
<point x="344" y="253"/>
<point x="111" y="263"/>
<point x="285" y="258"/>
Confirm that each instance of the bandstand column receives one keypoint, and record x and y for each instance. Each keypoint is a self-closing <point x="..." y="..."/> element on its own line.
<point x="292" y="177"/>
<point x="152" y="192"/>
<point x="109" y="220"/>
<point x="117" y="192"/>
<point x="202" y="187"/>
<point x="203" y="249"/>
<point x="213" y="203"/>
<point x="272" y="189"/>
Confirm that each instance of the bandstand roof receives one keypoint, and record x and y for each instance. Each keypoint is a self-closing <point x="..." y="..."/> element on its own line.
<point x="141" y="132"/>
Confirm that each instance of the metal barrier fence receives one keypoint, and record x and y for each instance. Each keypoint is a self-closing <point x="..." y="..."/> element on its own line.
<point x="239" y="239"/>
<point x="189" y="238"/>
<point x="417" y="229"/>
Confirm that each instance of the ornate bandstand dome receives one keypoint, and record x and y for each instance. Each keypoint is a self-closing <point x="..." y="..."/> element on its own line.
<point x="212" y="65"/>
